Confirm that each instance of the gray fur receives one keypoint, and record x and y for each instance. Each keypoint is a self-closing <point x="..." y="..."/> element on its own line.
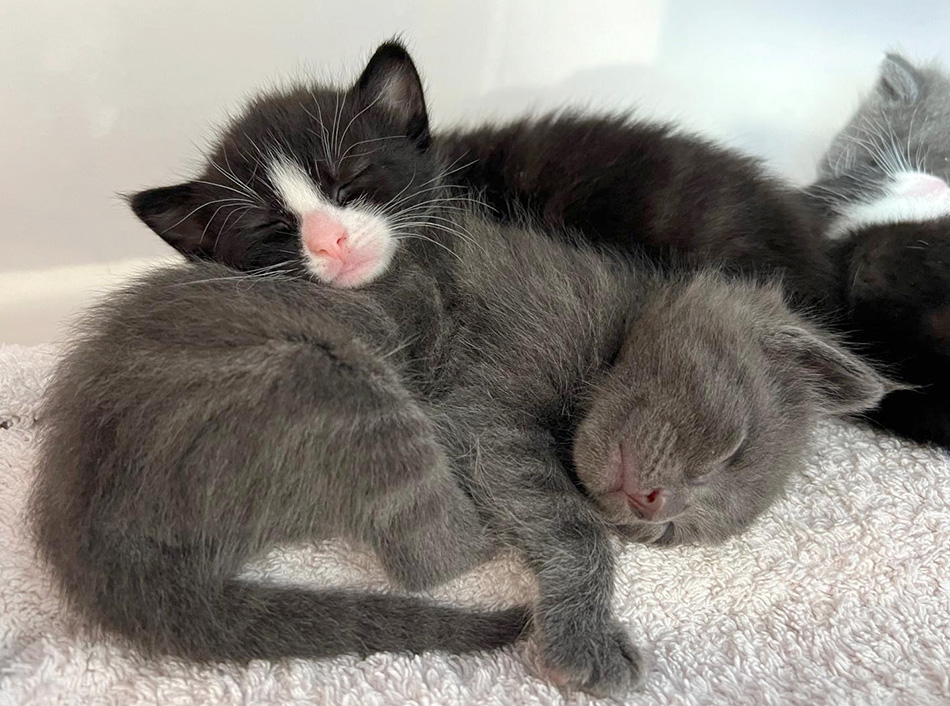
<point x="204" y="415"/>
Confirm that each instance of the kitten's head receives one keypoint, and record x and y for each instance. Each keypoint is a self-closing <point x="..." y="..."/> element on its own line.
<point x="901" y="126"/>
<point x="320" y="177"/>
<point x="708" y="409"/>
<point x="890" y="164"/>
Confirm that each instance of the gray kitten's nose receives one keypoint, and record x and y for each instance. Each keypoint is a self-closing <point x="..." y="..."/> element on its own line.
<point x="649" y="504"/>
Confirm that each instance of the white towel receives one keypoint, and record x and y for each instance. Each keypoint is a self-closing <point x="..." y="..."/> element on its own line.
<point x="839" y="595"/>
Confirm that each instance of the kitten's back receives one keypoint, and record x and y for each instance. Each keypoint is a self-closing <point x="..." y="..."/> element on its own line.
<point x="645" y="188"/>
<point x="202" y="416"/>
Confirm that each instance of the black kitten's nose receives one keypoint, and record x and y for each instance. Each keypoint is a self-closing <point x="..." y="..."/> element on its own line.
<point x="649" y="504"/>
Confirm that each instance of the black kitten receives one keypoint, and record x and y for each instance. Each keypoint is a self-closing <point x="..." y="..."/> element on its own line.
<point x="884" y="188"/>
<point x="685" y="199"/>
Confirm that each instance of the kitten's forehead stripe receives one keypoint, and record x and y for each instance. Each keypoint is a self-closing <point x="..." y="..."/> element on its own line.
<point x="294" y="186"/>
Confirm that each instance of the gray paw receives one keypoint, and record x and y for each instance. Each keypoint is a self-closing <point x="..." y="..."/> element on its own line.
<point x="602" y="664"/>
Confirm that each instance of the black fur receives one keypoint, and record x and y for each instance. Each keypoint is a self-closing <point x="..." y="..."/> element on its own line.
<point x="647" y="189"/>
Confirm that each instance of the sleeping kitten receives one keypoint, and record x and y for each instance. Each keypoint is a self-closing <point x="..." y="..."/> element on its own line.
<point x="883" y="185"/>
<point x="492" y="387"/>
<point x="685" y="198"/>
<point x="367" y="180"/>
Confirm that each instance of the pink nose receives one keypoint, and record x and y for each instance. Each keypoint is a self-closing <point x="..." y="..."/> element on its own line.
<point x="919" y="184"/>
<point x="323" y="235"/>
<point x="649" y="504"/>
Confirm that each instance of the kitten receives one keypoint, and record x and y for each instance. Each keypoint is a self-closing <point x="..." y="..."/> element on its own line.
<point x="367" y="180"/>
<point x="500" y="389"/>
<point x="677" y="407"/>
<point x="685" y="198"/>
<point x="883" y="185"/>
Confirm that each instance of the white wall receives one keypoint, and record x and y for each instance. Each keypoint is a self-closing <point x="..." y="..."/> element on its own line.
<point x="104" y="96"/>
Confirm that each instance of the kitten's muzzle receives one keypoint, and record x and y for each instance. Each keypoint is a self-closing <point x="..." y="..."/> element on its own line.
<point x="656" y="504"/>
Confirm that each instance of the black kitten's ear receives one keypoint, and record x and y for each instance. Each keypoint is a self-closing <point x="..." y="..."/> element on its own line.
<point x="844" y="383"/>
<point x="390" y="80"/>
<point x="175" y="214"/>
<point x="899" y="80"/>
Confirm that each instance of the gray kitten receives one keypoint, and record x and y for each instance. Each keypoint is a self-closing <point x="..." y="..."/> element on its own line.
<point x="494" y="390"/>
<point x="884" y="188"/>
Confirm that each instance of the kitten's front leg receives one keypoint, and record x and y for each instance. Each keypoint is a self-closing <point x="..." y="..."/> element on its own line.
<point x="536" y="508"/>
<point x="583" y="644"/>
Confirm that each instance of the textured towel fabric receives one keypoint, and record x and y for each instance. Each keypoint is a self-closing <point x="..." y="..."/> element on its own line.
<point x="840" y="595"/>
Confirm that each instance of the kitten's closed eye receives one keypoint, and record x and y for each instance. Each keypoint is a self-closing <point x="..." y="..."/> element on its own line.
<point x="739" y="453"/>
<point x="343" y="194"/>
<point x="702" y="479"/>
<point x="734" y="455"/>
<point x="278" y="222"/>
<point x="735" y="449"/>
<point x="350" y="187"/>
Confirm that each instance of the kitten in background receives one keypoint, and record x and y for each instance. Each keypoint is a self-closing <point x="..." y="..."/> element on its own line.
<point x="883" y="186"/>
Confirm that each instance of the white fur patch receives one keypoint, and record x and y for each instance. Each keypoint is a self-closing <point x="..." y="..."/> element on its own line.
<point x="370" y="238"/>
<point x="896" y="206"/>
<point x="296" y="189"/>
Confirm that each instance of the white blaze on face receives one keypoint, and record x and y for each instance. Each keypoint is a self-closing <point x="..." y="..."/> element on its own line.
<point x="910" y="197"/>
<point x="342" y="246"/>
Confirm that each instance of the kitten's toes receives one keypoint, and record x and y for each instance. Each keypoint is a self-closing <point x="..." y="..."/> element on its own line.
<point x="604" y="665"/>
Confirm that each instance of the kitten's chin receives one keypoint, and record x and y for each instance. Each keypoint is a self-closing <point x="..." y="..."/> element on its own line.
<point x="356" y="270"/>
<point x="652" y="533"/>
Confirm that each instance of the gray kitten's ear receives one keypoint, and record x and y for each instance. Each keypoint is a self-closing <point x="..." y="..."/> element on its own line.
<point x="176" y="215"/>
<point x="899" y="79"/>
<point x="390" y="80"/>
<point x="844" y="384"/>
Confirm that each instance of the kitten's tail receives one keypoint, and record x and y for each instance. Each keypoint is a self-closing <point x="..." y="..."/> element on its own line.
<point x="244" y="620"/>
<point x="174" y="613"/>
